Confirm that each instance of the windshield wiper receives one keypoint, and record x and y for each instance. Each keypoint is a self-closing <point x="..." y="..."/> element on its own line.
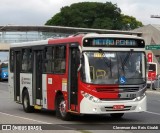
<point x="125" y="60"/>
<point x="106" y="61"/>
<point x="127" y="57"/>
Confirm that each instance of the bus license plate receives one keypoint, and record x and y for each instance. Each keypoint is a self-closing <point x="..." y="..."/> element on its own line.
<point x="118" y="107"/>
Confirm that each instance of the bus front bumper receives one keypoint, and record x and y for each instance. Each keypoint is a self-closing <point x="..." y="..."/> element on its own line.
<point x="106" y="107"/>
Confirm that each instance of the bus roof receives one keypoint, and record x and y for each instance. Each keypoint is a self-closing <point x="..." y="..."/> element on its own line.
<point x="72" y="38"/>
<point x="113" y="35"/>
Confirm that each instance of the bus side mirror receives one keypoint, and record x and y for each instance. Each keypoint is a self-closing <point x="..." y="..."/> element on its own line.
<point x="79" y="68"/>
<point x="80" y="65"/>
<point x="80" y="56"/>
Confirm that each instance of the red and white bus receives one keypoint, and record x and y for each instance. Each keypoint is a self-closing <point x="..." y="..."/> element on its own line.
<point x="152" y="74"/>
<point x="82" y="74"/>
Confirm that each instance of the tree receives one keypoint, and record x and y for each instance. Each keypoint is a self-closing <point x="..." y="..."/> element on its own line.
<point x="93" y="15"/>
<point x="129" y="23"/>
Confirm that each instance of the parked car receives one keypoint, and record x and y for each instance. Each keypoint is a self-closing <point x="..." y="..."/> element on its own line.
<point x="4" y="70"/>
<point x="4" y="73"/>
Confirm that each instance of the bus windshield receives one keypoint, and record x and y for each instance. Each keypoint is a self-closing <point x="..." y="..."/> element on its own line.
<point x="113" y="67"/>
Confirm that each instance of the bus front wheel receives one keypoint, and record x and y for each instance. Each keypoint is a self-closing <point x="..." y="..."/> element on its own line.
<point x="61" y="109"/>
<point x="26" y="104"/>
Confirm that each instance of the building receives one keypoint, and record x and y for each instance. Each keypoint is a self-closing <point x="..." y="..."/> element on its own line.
<point x="151" y="34"/>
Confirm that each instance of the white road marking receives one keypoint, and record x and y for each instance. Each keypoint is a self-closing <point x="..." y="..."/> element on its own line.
<point x="25" y="118"/>
<point x="152" y="113"/>
<point x="42" y="122"/>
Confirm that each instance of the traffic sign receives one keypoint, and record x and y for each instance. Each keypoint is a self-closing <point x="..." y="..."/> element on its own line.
<point x="152" y="47"/>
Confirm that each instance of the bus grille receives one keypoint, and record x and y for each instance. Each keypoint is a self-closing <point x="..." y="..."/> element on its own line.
<point x="120" y="99"/>
<point x="108" y="90"/>
<point x="117" y="90"/>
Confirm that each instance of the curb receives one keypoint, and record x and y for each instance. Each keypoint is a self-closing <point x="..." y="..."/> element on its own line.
<point x="153" y="91"/>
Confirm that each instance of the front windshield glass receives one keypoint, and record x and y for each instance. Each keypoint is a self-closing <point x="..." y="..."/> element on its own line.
<point x="113" y="67"/>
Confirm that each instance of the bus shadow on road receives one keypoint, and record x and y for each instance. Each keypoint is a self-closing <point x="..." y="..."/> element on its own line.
<point x="95" y="118"/>
<point x="103" y="118"/>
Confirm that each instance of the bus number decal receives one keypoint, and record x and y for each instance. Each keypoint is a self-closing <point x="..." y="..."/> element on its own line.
<point x="64" y="84"/>
<point x="49" y="80"/>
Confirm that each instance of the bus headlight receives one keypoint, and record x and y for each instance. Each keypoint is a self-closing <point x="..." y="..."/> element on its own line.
<point x="90" y="97"/>
<point x="140" y="97"/>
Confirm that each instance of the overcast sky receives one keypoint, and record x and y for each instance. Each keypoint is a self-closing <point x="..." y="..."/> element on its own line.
<point x="37" y="12"/>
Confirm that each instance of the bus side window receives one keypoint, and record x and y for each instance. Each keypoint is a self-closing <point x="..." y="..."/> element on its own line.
<point x="60" y="59"/>
<point x="11" y="60"/>
<point x="30" y="61"/>
<point x="53" y="59"/>
<point x="48" y="60"/>
<point x="26" y="60"/>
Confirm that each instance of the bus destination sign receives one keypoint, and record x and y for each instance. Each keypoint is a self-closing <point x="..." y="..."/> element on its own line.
<point x="113" y="42"/>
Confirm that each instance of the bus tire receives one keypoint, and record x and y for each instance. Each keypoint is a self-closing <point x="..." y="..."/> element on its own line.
<point x="61" y="109"/>
<point x="117" y="115"/>
<point x="26" y="103"/>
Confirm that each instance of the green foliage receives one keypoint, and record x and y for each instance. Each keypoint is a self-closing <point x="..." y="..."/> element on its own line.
<point x="129" y="23"/>
<point x="94" y="15"/>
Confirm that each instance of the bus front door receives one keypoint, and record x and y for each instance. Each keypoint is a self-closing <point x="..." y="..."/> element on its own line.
<point x="17" y="75"/>
<point x="73" y="78"/>
<point x="37" y="77"/>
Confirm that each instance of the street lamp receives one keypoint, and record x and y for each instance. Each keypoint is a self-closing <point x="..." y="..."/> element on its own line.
<point x="4" y="26"/>
<point x="155" y="16"/>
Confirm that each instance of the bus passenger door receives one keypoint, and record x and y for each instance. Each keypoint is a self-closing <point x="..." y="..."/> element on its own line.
<point x="17" y="68"/>
<point x="37" y="77"/>
<point x="73" y="78"/>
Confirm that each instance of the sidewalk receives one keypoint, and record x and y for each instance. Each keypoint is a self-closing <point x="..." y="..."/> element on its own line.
<point x="157" y="91"/>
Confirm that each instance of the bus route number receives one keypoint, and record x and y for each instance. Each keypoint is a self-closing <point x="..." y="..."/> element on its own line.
<point x="133" y="95"/>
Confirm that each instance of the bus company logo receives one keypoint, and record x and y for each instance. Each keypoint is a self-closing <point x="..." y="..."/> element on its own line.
<point x="26" y="81"/>
<point x="6" y="127"/>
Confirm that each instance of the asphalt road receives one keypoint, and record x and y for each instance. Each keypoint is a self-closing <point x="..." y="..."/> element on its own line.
<point x="12" y="113"/>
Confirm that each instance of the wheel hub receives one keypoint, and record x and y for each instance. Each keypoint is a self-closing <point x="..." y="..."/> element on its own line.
<point x="62" y="108"/>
